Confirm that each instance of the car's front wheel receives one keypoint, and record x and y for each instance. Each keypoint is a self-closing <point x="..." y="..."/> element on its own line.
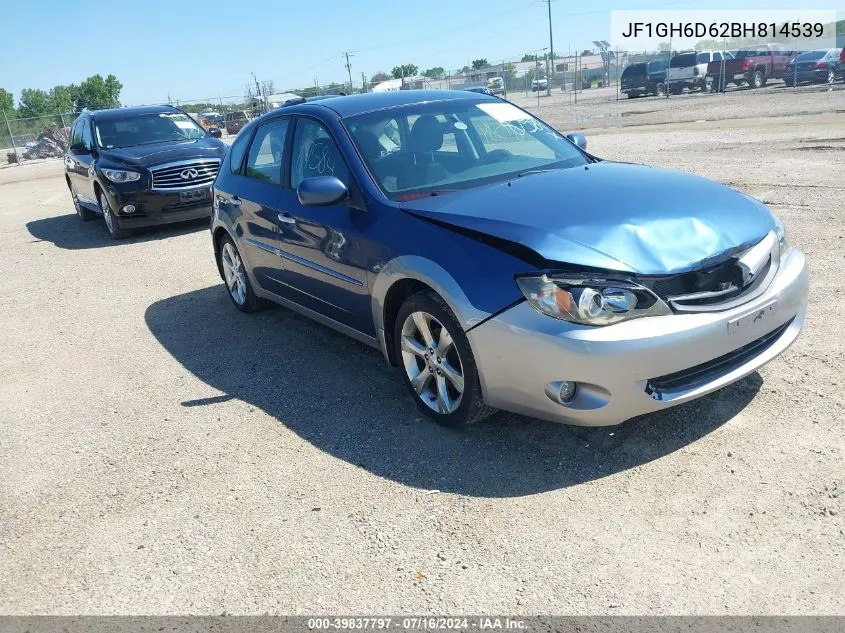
<point x="237" y="281"/>
<point x="112" y="225"/>
<point x="437" y="364"/>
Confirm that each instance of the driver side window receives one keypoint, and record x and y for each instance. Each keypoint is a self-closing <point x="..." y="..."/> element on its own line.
<point x="315" y="154"/>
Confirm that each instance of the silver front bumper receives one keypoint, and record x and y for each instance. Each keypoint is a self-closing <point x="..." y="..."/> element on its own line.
<point x="639" y="366"/>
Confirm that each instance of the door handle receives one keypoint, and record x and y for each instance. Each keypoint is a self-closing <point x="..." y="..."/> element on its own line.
<point x="286" y="219"/>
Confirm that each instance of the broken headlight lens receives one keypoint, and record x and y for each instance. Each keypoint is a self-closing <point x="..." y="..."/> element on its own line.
<point x="590" y="301"/>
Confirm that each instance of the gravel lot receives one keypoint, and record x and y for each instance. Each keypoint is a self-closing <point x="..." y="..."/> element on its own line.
<point x="162" y="453"/>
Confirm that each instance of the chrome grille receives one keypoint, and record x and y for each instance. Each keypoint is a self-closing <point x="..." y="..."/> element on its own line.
<point x="184" y="175"/>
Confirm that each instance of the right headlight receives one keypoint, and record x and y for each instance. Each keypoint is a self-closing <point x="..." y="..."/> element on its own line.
<point x="590" y="300"/>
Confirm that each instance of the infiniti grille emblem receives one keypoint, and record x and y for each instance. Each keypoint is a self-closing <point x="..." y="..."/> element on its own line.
<point x="189" y="174"/>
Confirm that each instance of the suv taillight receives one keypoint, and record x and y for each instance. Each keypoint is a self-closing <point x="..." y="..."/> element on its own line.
<point x="746" y="64"/>
<point x="820" y="64"/>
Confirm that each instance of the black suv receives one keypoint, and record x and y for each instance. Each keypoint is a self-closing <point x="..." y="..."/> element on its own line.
<point x="644" y="78"/>
<point x="141" y="166"/>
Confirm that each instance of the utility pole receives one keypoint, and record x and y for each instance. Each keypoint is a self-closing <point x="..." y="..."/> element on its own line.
<point x="551" y="53"/>
<point x="349" y="70"/>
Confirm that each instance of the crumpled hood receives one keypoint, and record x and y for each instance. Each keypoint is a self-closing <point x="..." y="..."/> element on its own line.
<point x="159" y="153"/>
<point x="608" y="215"/>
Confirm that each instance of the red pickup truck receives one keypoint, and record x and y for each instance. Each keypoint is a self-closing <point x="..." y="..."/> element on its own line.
<point x="754" y="65"/>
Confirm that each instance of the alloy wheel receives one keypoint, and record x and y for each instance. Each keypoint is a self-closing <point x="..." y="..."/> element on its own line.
<point x="233" y="271"/>
<point x="432" y="362"/>
<point x="107" y="214"/>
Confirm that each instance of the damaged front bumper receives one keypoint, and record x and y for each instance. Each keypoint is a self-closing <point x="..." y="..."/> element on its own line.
<point x="639" y="366"/>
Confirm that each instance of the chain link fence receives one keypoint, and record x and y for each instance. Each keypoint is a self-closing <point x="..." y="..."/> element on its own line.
<point x="34" y="138"/>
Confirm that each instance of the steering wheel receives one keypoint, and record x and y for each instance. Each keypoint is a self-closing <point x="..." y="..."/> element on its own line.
<point x="499" y="155"/>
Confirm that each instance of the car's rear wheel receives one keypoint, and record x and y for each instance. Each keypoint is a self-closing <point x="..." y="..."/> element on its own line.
<point x="112" y="224"/>
<point x="438" y="366"/>
<point x="660" y="89"/>
<point x="237" y="281"/>
<point x="85" y="214"/>
<point x="758" y="79"/>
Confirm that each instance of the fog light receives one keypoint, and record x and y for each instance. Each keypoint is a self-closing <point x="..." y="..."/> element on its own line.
<point x="128" y="208"/>
<point x="567" y="391"/>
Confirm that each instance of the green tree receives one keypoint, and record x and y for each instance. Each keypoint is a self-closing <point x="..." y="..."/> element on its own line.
<point x="34" y="102"/>
<point x="379" y="77"/>
<point x="465" y="70"/>
<point x="405" y="70"/>
<point x="479" y="63"/>
<point x="434" y="73"/>
<point x="529" y="57"/>
<point x="62" y="98"/>
<point x="7" y="100"/>
<point x="96" y="92"/>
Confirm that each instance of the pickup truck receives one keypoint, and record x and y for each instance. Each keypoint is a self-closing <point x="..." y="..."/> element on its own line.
<point x="689" y="70"/>
<point x="754" y="65"/>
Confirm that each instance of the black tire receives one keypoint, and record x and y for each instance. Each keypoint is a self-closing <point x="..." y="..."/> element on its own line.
<point x="660" y="89"/>
<point x="247" y="302"/>
<point x="84" y="213"/>
<point x="758" y="79"/>
<point x="631" y="95"/>
<point x="112" y="223"/>
<point x="471" y="407"/>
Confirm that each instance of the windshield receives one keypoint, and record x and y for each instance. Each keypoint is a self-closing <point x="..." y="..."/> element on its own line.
<point x="424" y="149"/>
<point x="144" y="129"/>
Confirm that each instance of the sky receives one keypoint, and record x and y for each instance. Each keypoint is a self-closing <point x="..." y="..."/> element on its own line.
<point x="208" y="49"/>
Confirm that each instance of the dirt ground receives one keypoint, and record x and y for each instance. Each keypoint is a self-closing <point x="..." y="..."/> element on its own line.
<point x="162" y="453"/>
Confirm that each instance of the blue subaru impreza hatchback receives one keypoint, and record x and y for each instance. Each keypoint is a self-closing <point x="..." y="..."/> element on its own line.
<point x="499" y="265"/>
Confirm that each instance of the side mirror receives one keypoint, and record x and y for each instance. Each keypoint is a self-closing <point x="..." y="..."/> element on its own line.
<point x="216" y="132"/>
<point x="321" y="191"/>
<point x="579" y="139"/>
<point x="79" y="148"/>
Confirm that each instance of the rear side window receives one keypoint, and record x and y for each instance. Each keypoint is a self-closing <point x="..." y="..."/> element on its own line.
<point x="634" y="69"/>
<point x="236" y="153"/>
<point x="717" y="57"/>
<point x="704" y="58"/>
<point x="683" y="60"/>
<point x="266" y="152"/>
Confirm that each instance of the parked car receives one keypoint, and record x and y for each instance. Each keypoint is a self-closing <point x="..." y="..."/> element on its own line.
<point x="644" y="78"/>
<point x="754" y="65"/>
<point x="141" y="167"/>
<point x="479" y="89"/>
<point x="496" y="85"/>
<point x="539" y="84"/>
<point x="689" y="70"/>
<point x="817" y="66"/>
<point x="496" y="263"/>
<point x="236" y="119"/>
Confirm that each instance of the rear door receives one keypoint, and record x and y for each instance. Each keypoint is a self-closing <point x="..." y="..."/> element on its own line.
<point x="253" y="198"/>
<point x="324" y="247"/>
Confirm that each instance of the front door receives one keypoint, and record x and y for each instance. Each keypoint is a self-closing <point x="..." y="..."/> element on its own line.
<point x="323" y="247"/>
